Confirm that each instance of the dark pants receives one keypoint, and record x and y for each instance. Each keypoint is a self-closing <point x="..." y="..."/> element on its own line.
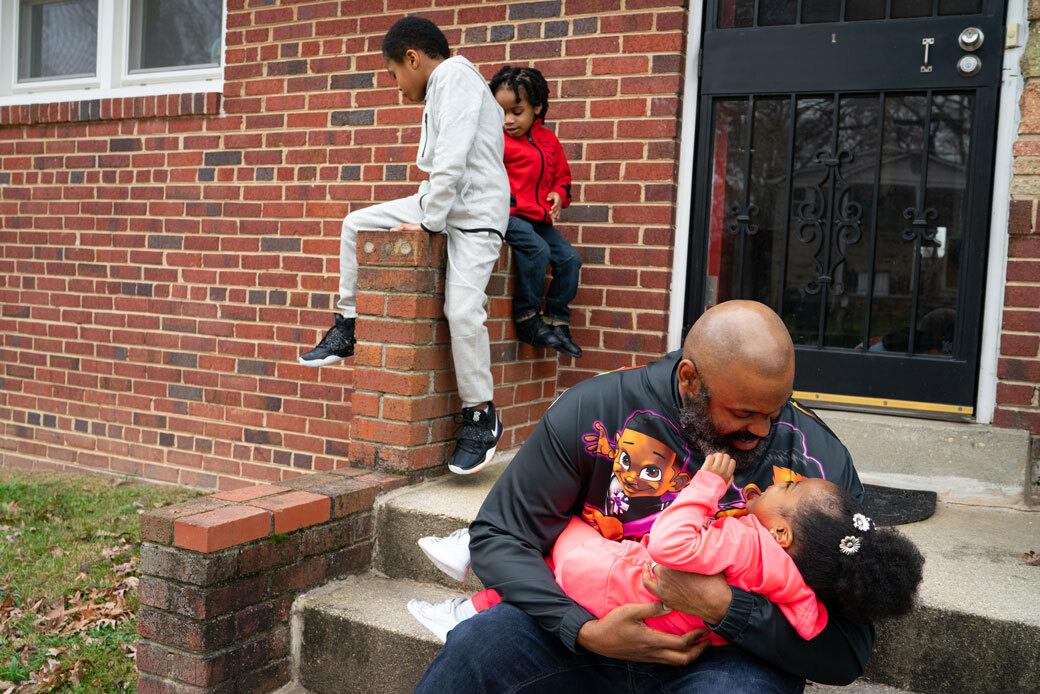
<point x="535" y="245"/>
<point x="503" y="651"/>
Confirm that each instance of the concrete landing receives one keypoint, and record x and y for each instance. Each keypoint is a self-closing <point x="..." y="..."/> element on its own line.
<point x="977" y="628"/>
<point x="963" y="463"/>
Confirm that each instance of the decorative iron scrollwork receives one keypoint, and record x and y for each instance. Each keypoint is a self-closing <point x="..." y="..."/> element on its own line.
<point x="831" y="220"/>
<point x="743" y="224"/>
<point x="919" y="228"/>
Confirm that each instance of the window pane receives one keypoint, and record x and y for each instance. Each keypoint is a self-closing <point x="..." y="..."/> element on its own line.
<point x="949" y="7"/>
<point x="168" y="34"/>
<point x="735" y="14"/>
<point x="911" y="8"/>
<point x="57" y="39"/>
<point x="815" y="11"/>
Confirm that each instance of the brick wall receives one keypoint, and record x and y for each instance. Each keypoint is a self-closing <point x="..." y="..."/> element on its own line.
<point x="163" y="261"/>
<point x="1019" y="366"/>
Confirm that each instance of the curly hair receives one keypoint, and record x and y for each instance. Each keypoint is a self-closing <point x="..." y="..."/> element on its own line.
<point x="535" y="88"/>
<point x="878" y="580"/>
<point x="415" y="33"/>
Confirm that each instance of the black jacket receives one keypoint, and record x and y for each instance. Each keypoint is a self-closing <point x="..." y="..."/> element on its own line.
<point x="559" y="473"/>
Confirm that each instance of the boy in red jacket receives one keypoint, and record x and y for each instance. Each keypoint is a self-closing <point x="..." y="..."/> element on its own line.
<point x="539" y="186"/>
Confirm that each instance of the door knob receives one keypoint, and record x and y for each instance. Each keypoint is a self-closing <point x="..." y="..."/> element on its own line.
<point x="970" y="39"/>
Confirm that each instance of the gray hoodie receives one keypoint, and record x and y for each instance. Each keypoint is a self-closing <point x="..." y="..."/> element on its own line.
<point x="461" y="147"/>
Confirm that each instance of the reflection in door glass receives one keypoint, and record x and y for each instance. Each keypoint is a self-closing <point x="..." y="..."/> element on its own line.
<point x="729" y="145"/>
<point x="815" y="11"/>
<point x="859" y="10"/>
<point x="952" y="7"/>
<point x="734" y="14"/>
<point x="911" y="8"/>
<point x="776" y="12"/>
<point x="920" y="223"/>
<point x="848" y="229"/>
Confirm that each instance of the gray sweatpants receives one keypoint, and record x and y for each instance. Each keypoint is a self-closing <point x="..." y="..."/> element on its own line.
<point x="471" y="259"/>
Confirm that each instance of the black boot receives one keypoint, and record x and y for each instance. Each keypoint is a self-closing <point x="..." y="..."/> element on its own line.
<point x="337" y="345"/>
<point x="536" y="332"/>
<point x="567" y="345"/>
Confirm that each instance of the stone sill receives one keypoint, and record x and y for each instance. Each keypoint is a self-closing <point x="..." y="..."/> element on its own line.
<point x="113" y="108"/>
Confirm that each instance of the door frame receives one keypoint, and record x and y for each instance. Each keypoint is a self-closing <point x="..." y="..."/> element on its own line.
<point x="1009" y="116"/>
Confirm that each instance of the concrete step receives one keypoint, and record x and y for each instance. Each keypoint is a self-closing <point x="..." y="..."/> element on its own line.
<point x="962" y="463"/>
<point x="977" y="628"/>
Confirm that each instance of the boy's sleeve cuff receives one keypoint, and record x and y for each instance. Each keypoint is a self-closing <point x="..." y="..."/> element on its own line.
<point x="737" y="617"/>
<point x="427" y="229"/>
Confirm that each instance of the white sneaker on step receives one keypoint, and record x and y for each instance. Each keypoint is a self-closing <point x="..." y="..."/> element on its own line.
<point x="442" y="617"/>
<point x="449" y="554"/>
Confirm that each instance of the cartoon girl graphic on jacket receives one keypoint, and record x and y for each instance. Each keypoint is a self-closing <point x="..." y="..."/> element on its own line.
<point x="649" y="458"/>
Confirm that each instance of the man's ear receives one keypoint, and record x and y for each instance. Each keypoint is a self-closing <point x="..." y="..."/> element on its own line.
<point x="689" y="379"/>
<point x="781" y="532"/>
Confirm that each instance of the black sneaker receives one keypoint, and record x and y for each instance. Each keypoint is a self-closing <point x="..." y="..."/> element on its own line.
<point x="337" y="345"/>
<point x="536" y="332"/>
<point x="477" y="440"/>
<point x="566" y="345"/>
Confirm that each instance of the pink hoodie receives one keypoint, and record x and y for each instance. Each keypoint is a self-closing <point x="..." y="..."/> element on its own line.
<point x="601" y="574"/>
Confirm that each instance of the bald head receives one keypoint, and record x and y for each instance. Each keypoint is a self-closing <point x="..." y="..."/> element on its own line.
<point x="740" y="336"/>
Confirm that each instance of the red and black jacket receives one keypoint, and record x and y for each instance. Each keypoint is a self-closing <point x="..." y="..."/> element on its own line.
<point x="536" y="166"/>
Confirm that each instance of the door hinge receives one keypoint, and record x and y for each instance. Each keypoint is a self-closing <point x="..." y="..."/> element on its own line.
<point x="700" y="60"/>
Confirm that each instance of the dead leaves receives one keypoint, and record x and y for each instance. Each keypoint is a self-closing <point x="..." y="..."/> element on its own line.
<point x="1031" y="557"/>
<point x="82" y="611"/>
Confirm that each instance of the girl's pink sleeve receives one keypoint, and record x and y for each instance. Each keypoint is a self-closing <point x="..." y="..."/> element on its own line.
<point x="683" y="537"/>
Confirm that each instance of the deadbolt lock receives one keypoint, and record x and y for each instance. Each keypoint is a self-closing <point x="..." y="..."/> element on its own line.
<point x="970" y="39"/>
<point x="969" y="65"/>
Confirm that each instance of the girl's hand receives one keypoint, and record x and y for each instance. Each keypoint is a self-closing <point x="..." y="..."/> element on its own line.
<point x="408" y="227"/>
<point x="722" y="465"/>
<point x="555" y="203"/>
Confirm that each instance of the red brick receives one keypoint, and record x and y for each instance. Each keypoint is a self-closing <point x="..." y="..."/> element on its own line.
<point x="249" y="493"/>
<point x="221" y="528"/>
<point x="295" y="510"/>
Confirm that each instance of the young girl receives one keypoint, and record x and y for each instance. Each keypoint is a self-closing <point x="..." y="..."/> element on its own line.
<point x="799" y="544"/>
<point x="539" y="186"/>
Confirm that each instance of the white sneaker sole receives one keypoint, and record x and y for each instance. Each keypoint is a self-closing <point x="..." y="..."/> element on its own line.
<point x="446" y="569"/>
<point x="331" y="359"/>
<point x="435" y="628"/>
<point x="475" y="468"/>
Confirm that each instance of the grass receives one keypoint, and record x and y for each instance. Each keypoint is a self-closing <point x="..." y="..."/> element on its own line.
<point x="68" y="577"/>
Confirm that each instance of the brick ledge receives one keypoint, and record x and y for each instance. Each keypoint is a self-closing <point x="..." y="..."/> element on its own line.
<point x="113" y="108"/>
<point x="225" y="519"/>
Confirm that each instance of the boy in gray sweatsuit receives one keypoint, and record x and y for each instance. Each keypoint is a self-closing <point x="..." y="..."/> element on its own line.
<point x="466" y="198"/>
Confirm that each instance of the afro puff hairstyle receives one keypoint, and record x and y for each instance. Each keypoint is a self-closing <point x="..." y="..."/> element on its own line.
<point x="536" y="89"/>
<point x="414" y="33"/>
<point x="878" y="579"/>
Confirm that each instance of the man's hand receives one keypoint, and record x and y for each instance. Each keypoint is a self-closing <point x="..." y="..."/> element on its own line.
<point x="555" y="205"/>
<point x="722" y="465"/>
<point x="707" y="597"/>
<point x="622" y="634"/>
<point x="408" y="227"/>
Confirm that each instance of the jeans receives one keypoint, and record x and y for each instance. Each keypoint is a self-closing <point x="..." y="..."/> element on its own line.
<point x="503" y="651"/>
<point x="535" y="245"/>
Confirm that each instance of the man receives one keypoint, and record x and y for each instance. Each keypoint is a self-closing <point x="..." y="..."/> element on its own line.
<point x="728" y="390"/>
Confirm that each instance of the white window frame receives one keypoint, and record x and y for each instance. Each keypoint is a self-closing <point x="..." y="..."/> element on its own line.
<point x="113" y="78"/>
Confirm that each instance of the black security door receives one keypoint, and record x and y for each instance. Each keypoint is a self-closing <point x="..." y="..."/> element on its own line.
<point x="844" y="168"/>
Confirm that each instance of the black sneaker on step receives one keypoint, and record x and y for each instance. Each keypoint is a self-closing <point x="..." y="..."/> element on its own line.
<point x="567" y="345"/>
<point x="477" y="441"/>
<point x="536" y="332"/>
<point x="337" y="345"/>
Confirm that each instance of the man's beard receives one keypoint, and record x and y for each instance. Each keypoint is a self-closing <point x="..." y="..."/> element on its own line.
<point x="695" y="419"/>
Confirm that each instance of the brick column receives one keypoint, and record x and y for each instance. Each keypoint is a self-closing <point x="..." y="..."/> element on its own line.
<point x="219" y="574"/>
<point x="404" y="383"/>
